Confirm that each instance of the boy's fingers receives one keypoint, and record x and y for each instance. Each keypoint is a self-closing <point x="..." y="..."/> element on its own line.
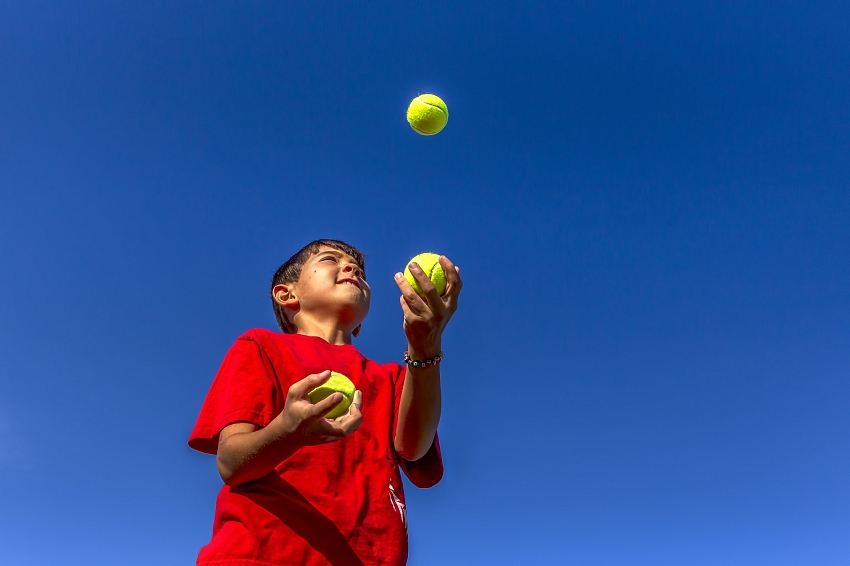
<point x="301" y="388"/>
<point x="333" y="433"/>
<point x="453" y="281"/>
<point x="324" y="406"/>
<point x="334" y="429"/>
<point x="421" y="277"/>
<point x="408" y="295"/>
<point x="432" y="296"/>
<point x="352" y="424"/>
<point x="356" y="407"/>
<point x="352" y="420"/>
<point x="409" y="315"/>
<point x="353" y="409"/>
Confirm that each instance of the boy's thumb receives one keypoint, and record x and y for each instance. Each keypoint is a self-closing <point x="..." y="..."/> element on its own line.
<point x="317" y="379"/>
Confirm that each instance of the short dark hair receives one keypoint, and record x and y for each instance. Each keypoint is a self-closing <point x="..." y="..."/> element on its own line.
<point x="290" y="272"/>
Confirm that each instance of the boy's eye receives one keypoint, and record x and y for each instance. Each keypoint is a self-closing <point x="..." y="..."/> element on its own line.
<point x="330" y="257"/>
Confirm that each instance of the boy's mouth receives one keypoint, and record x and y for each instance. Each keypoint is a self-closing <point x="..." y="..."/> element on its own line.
<point x="349" y="281"/>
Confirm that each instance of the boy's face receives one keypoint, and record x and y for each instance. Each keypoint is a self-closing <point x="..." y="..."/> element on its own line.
<point x="333" y="283"/>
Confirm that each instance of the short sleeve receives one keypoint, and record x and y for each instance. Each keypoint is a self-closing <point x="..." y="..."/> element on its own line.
<point x="243" y="391"/>
<point x="427" y="471"/>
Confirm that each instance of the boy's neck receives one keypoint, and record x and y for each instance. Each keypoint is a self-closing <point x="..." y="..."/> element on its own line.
<point x="329" y="332"/>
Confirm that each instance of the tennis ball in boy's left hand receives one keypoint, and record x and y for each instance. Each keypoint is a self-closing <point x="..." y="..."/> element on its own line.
<point x="427" y="114"/>
<point x="336" y="383"/>
<point x="430" y="264"/>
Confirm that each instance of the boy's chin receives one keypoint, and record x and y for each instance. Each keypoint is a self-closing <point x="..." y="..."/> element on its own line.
<point x="353" y="295"/>
<point x="350" y="288"/>
<point x="355" y="308"/>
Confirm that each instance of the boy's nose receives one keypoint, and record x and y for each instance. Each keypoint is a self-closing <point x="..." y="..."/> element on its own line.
<point x="349" y="268"/>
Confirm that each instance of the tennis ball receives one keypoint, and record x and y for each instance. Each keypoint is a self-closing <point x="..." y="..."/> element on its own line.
<point x="430" y="264"/>
<point x="337" y="382"/>
<point x="427" y="114"/>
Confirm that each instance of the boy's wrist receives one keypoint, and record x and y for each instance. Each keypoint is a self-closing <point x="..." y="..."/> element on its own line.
<point x="426" y="363"/>
<point x="281" y="430"/>
<point x="424" y="351"/>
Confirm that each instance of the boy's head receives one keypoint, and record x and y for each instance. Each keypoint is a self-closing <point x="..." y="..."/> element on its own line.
<point x="326" y="278"/>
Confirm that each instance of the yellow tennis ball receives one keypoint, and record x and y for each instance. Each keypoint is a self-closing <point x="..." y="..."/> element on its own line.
<point x="336" y="383"/>
<point x="427" y="114"/>
<point x="430" y="264"/>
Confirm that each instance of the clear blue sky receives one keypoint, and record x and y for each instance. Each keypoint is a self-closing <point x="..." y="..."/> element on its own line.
<point x="649" y="202"/>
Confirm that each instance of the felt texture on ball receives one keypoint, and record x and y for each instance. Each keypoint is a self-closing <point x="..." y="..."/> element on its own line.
<point x="430" y="264"/>
<point x="336" y="383"/>
<point x="427" y="114"/>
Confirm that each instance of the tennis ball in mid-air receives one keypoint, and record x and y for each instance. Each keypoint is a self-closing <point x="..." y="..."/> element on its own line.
<point x="427" y="114"/>
<point x="430" y="264"/>
<point x="336" y="383"/>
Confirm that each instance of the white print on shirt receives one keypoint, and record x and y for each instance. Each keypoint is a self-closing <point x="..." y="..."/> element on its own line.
<point x="398" y="506"/>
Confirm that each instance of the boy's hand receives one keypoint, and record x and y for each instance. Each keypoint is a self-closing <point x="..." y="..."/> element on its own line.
<point x="304" y="422"/>
<point x="425" y="319"/>
<point x="245" y="453"/>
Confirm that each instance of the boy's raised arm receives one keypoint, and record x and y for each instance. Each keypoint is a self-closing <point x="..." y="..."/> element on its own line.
<point x="424" y="323"/>
<point x="245" y="454"/>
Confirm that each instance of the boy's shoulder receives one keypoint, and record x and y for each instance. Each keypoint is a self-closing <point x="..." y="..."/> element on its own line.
<point x="257" y="334"/>
<point x="265" y="338"/>
<point x="270" y="340"/>
<point x="278" y="346"/>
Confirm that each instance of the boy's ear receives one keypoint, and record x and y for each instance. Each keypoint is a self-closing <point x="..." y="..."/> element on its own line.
<point x="356" y="332"/>
<point x="284" y="295"/>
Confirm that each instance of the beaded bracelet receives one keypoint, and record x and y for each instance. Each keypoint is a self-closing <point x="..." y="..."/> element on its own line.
<point x="426" y="364"/>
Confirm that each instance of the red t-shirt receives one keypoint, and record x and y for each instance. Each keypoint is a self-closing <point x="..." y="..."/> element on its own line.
<point x="340" y="503"/>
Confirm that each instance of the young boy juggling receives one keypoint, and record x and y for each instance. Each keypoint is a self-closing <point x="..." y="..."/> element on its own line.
<point x="300" y="488"/>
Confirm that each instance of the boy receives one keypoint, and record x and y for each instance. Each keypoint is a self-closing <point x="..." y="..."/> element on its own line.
<point x="302" y="489"/>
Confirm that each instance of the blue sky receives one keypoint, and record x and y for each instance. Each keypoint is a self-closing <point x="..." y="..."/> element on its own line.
<point x="648" y="200"/>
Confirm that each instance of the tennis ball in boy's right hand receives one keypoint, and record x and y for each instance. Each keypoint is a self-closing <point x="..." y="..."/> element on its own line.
<point x="427" y="114"/>
<point x="336" y="383"/>
<point x="430" y="264"/>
